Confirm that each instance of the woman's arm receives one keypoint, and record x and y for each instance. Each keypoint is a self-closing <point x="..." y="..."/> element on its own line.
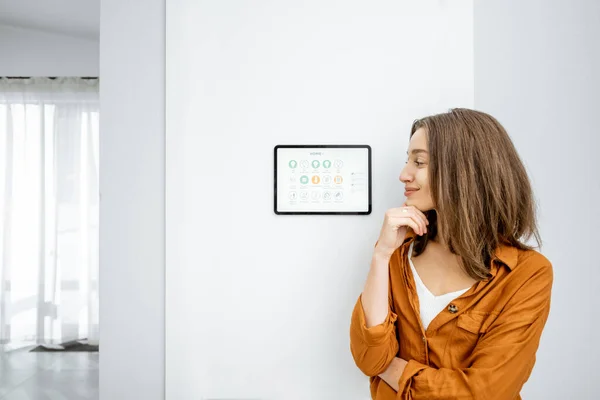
<point x="393" y="232"/>
<point x="372" y="331"/>
<point x="375" y="296"/>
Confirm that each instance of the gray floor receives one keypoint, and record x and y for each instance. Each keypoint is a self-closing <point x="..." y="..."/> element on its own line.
<point x="48" y="376"/>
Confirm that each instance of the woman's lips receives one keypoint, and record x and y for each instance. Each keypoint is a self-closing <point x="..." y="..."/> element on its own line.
<point x="409" y="192"/>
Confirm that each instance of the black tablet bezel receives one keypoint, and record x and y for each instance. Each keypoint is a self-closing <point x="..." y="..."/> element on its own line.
<point x="322" y="146"/>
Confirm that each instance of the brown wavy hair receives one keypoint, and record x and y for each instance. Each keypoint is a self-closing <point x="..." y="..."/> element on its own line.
<point x="480" y="188"/>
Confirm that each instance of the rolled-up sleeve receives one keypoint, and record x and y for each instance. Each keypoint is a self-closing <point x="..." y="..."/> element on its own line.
<point x="503" y="359"/>
<point x="373" y="348"/>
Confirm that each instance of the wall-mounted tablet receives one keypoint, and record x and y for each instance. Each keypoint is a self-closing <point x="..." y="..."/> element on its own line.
<point x="322" y="179"/>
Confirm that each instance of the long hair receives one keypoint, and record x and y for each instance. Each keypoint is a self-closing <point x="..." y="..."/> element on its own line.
<point x="480" y="189"/>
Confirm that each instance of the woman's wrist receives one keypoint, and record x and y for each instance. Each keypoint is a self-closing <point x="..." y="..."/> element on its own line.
<point x="382" y="254"/>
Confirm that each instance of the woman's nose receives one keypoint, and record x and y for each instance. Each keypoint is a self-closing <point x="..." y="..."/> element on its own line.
<point x="404" y="176"/>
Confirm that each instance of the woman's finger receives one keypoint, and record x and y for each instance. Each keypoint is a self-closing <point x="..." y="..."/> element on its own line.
<point x="406" y="219"/>
<point x="415" y="213"/>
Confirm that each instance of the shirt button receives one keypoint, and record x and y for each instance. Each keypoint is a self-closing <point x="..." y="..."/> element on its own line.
<point x="452" y="308"/>
<point x="424" y="339"/>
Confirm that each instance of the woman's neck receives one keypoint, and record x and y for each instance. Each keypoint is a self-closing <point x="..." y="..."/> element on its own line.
<point x="441" y="244"/>
<point x="438" y="238"/>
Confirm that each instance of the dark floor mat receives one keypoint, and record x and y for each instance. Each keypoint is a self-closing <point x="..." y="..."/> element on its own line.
<point x="75" y="345"/>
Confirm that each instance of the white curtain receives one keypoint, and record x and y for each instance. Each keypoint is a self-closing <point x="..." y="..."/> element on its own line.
<point x="48" y="211"/>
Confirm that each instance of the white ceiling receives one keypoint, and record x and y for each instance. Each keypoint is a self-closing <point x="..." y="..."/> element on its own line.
<point x="79" y="18"/>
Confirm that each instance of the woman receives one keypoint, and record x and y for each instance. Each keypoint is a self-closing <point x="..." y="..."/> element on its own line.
<point x="455" y="302"/>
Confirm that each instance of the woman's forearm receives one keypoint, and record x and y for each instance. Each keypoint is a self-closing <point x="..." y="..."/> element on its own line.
<point x="374" y="297"/>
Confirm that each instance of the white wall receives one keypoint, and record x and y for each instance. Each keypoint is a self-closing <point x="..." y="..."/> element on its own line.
<point x="30" y="52"/>
<point x="536" y="69"/>
<point x="259" y="305"/>
<point x="507" y="33"/>
<point x="132" y="188"/>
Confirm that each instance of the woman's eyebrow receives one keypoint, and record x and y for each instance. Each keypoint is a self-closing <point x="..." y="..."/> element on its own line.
<point x="415" y="151"/>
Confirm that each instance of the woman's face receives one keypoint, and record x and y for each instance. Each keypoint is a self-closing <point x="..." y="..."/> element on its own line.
<point x="414" y="175"/>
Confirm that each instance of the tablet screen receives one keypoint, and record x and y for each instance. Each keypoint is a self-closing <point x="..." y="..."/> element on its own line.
<point x="323" y="179"/>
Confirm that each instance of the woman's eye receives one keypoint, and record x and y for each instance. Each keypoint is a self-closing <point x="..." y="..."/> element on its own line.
<point x="418" y="163"/>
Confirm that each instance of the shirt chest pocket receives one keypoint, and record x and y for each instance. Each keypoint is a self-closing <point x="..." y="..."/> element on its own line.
<point x="475" y="322"/>
<point x="469" y="328"/>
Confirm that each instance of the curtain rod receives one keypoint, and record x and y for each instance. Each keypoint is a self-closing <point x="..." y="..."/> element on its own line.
<point x="50" y="77"/>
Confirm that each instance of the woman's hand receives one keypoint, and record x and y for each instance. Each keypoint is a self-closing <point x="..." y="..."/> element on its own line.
<point x="395" y="225"/>
<point x="393" y="372"/>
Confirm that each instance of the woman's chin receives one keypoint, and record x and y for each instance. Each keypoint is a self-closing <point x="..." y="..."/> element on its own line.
<point x="410" y="203"/>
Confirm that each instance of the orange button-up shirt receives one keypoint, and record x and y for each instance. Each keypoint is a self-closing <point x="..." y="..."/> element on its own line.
<point x="482" y="346"/>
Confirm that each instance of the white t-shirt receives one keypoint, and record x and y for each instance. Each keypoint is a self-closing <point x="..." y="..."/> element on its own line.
<point x="430" y="304"/>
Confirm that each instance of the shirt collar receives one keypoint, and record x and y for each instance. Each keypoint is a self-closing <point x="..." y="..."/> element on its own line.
<point x="507" y="255"/>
